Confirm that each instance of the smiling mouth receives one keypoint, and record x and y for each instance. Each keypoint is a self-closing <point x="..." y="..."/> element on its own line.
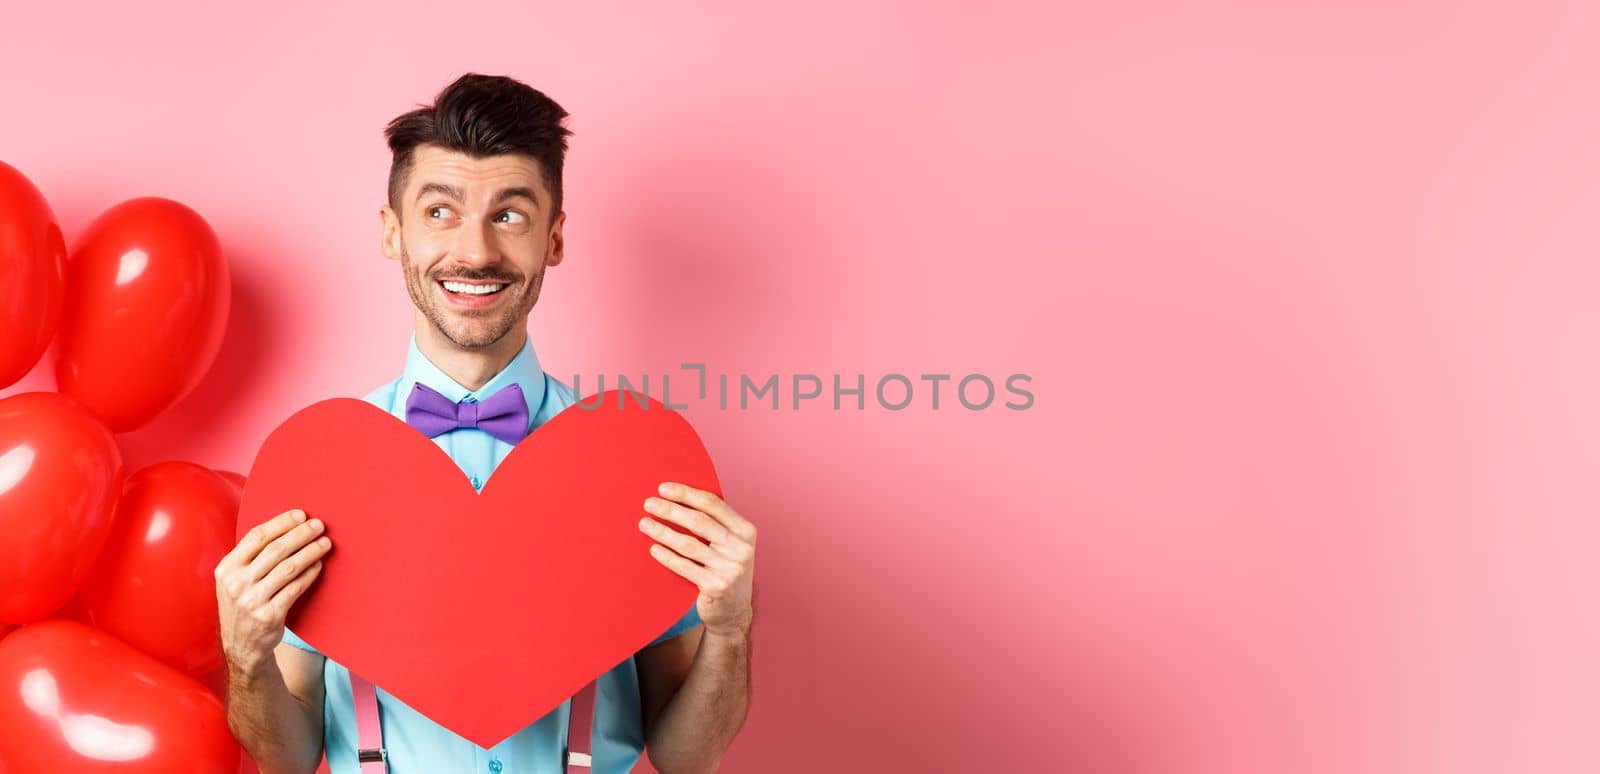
<point x="471" y="290"/>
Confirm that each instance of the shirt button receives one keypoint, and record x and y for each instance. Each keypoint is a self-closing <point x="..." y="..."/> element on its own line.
<point x="475" y="485"/>
<point x="494" y="766"/>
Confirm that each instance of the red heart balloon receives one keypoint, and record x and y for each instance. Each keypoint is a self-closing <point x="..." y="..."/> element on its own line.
<point x="235" y="479"/>
<point x="550" y="554"/>
<point x="150" y="298"/>
<point x="33" y="259"/>
<point x="60" y="474"/>
<point x="153" y="585"/>
<point x="73" y="698"/>
<point x="73" y="610"/>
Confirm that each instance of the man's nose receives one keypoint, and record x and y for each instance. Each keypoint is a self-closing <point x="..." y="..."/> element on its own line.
<point x="475" y="245"/>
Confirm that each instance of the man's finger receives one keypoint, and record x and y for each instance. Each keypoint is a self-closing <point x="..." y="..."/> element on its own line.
<point x="290" y="568"/>
<point x="688" y="545"/>
<point x="712" y="505"/>
<point x="700" y="524"/>
<point x="290" y="593"/>
<point x="286" y="544"/>
<point x="262" y="534"/>
<point x="696" y="573"/>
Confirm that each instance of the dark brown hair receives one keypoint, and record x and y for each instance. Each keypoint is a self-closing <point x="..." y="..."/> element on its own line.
<point x="483" y="115"/>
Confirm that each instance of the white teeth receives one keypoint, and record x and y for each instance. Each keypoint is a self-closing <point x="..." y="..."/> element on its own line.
<point x="476" y="290"/>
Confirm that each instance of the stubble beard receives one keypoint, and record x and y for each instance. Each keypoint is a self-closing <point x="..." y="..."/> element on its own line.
<point x="467" y="330"/>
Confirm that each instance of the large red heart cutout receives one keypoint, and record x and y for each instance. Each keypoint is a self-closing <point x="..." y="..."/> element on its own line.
<point x="444" y="596"/>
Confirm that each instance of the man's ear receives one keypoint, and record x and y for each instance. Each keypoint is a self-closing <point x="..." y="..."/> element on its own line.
<point x="557" y="243"/>
<point x="390" y="242"/>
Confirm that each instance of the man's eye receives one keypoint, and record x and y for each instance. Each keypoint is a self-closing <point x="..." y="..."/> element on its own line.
<point x="432" y="210"/>
<point x="518" y="217"/>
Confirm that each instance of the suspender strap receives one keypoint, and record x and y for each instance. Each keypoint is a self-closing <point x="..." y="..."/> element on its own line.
<point x="374" y="758"/>
<point x="580" y="742"/>
<point x="369" y="732"/>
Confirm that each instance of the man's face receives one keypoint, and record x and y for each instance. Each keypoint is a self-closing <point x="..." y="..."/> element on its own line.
<point x="473" y="225"/>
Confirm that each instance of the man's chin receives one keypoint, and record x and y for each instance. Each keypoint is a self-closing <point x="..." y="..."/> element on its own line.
<point x="471" y="337"/>
<point x="469" y="330"/>
<point x="472" y="341"/>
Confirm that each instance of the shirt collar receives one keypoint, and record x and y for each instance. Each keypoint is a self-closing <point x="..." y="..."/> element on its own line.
<point x="523" y="370"/>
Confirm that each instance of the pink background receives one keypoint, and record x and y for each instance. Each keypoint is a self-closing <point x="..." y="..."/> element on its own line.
<point x="1306" y="291"/>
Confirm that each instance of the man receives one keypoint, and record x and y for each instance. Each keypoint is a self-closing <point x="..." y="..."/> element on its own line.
<point x="474" y="217"/>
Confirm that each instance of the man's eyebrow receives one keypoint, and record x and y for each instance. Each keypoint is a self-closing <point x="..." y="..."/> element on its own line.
<point x="512" y="193"/>
<point x="455" y="193"/>
<point x="448" y="190"/>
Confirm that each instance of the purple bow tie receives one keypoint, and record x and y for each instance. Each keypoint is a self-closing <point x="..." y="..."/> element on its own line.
<point x="503" y="415"/>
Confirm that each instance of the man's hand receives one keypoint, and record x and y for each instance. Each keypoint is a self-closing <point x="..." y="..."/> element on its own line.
<point x="723" y="565"/>
<point x="260" y="579"/>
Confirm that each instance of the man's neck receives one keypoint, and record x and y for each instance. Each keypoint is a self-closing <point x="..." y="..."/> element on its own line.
<point x="471" y="368"/>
